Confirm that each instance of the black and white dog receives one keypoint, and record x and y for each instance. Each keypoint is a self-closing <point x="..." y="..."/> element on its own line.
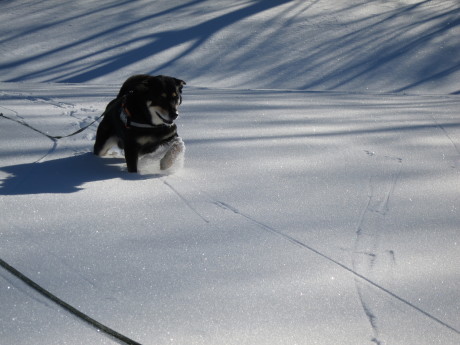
<point x="141" y="120"/>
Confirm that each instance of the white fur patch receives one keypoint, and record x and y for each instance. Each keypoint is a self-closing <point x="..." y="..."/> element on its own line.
<point x="112" y="141"/>
<point x="173" y="156"/>
<point x="144" y="140"/>
<point x="166" y="160"/>
<point x="158" y="119"/>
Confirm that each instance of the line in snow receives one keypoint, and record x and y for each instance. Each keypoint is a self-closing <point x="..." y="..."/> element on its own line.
<point x="457" y="148"/>
<point x="186" y="202"/>
<point x="293" y="240"/>
<point x="348" y="269"/>
<point x="99" y="326"/>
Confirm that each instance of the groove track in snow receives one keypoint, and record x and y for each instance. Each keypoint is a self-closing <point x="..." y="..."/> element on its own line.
<point x="301" y="244"/>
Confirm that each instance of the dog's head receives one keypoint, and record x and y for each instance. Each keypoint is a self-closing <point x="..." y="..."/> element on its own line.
<point x="164" y="96"/>
<point x="153" y="98"/>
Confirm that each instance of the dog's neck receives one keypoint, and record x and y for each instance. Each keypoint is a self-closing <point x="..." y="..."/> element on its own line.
<point x="125" y="117"/>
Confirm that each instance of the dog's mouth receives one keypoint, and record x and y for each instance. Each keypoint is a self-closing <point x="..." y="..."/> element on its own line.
<point x="167" y="121"/>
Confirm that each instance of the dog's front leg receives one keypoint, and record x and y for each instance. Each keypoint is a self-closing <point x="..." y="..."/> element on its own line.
<point x="175" y="151"/>
<point x="131" y="157"/>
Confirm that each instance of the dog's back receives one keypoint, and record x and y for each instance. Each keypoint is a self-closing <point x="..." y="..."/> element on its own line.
<point x="131" y="83"/>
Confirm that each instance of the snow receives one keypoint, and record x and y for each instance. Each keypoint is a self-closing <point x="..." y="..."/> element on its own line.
<point x="377" y="46"/>
<point x="319" y="198"/>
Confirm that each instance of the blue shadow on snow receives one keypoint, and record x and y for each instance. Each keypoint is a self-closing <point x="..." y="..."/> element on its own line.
<point x="65" y="175"/>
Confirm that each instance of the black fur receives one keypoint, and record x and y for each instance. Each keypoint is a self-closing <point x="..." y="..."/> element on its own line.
<point x="136" y="95"/>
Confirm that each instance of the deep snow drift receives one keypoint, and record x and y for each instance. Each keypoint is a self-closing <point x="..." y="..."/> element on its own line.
<point x="300" y="217"/>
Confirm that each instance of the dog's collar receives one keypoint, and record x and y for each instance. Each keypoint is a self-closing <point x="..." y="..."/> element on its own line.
<point x="125" y="117"/>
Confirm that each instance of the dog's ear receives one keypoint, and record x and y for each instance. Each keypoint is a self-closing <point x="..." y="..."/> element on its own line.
<point x="180" y="83"/>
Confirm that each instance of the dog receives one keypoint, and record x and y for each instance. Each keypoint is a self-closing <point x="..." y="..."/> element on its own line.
<point x="141" y="120"/>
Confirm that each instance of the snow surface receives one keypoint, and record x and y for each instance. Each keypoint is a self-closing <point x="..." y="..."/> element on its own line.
<point x="359" y="45"/>
<point x="324" y="214"/>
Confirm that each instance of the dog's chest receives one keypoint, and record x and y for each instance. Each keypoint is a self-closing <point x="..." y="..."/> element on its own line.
<point x="157" y="138"/>
<point x="146" y="140"/>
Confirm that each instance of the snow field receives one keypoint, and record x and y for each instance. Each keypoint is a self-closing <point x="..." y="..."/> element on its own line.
<point x="209" y="255"/>
<point x="319" y="198"/>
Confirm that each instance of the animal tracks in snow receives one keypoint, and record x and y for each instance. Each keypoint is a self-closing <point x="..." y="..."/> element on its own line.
<point x="371" y="224"/>
<point x="35" y="113"/>
<point x="368" y="258"/>
<point x="31" y="105"/>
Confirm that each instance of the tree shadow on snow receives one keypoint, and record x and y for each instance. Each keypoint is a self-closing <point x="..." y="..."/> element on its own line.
<point x="358" y="46"/>
<point x="65" y="175"/>
<point x="152" y="44"/>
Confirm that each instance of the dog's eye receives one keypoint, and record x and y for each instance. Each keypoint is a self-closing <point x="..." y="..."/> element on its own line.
<point x="164" y="95"/>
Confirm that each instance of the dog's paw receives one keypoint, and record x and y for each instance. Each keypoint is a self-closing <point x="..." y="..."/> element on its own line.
<point x="167" y="159"/>
<point x="174" y="156"/>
